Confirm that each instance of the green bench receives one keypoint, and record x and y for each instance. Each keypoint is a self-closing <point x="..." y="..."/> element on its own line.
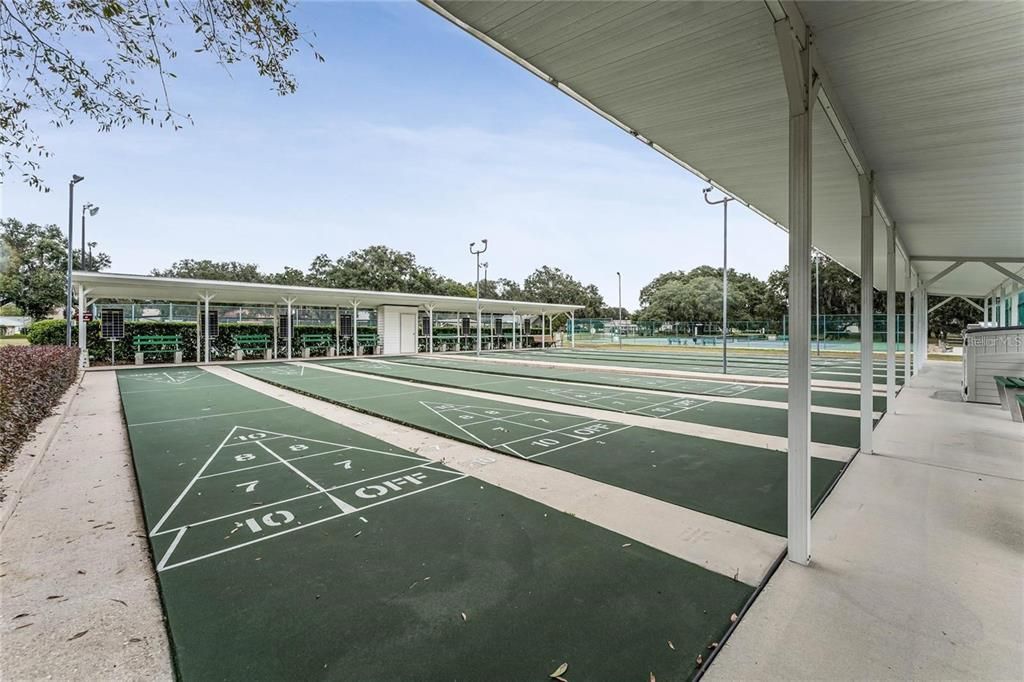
<point x="1011" y="390"/>
<point x="252" y="343"/>
<point x="157" y="345"/>
<point x="312" y="342"/>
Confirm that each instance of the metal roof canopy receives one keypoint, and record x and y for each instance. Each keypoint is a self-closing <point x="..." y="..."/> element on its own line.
<point x="107" y="285"/>
<point x="930" y="96"/>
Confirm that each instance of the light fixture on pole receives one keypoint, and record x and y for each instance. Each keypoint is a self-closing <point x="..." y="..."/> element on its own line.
<point x="92" y="209"/>
<point x="477" y="252"/>
<point x="724" y="201"/>
<point x="619" y="275"/>
<point x="75" y="179"/>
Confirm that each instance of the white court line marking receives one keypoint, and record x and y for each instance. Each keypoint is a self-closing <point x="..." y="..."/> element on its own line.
<point x="311" y="524"/>
<point x="560" y="447"/>
<point x="185" y="388"/>
<point x="171" y="548"/>
<point x="343" y="506"/>
<point x="343" y="448"/>
<point x="337" y="445"/>
<point x="210" y="416"/>
<point x="561" y="432"/>
<point x="233" y="445"/>
<point x="192" y="482"/>
<point x="458" y="426"/>
<point x="303" y="496"/>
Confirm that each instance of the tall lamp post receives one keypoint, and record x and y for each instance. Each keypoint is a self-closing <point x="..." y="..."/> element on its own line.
<point x="619" y="275"/>
<point x="75" y="179"/>
<point x="91" y="209"/>
<point x="724" y="201"/>
<point x="476" y="252"/>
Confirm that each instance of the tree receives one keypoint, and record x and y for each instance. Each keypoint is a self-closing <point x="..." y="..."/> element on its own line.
<point x="33" y="266"/>
<point x="228" y="271"/>
<point x="552" y="285"/>
<point x="91" y="59"/>
<point x="693" y="299"/>
<point x="693" y="295"/>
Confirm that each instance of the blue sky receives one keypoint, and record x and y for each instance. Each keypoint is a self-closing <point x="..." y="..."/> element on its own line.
<point x="412" y="134"/>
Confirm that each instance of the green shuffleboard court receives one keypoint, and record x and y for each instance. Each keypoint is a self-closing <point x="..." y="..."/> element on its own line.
<point x="825" y="370"/>
<point x="819" y="397"/>
<point x="738" y="483"/>
<point x="290" y="547"/>
<point x="825" y="428"/>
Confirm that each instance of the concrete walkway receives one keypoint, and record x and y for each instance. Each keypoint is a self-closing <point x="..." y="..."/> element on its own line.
<point x="917" y="557"/>
<point x="78" y="599"/>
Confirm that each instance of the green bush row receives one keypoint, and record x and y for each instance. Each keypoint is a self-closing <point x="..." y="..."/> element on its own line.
<point x="51" y="332"/>
<point x="32" y="380"/>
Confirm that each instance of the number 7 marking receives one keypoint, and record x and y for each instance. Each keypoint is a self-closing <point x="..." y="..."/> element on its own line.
<point x="249" y="487"/>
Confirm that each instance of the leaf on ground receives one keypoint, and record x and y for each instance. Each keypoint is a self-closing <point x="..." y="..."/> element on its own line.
<point x="628" y="544"/>
<point x="700" y="659"/>
<point x="55" y="596"/>
<point x="713" y="645"/>
<point x="21" y="615"/>
<point x="464" y="617"/>
<point x="358" y="534"/>
<point x="559" y="671"/>
<point x="733" y="618"/>
<point x="119" y="601"/>
<point x="652" y="678"/>
<point x="77" y="635"/>
<point x="671" y="645"/>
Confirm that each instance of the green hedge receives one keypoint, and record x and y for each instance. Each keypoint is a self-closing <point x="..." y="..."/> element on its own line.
<point x="51" y="332"/>
<point x="32" y="380"/>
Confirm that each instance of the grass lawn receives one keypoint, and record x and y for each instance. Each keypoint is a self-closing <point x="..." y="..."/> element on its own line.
<point x="4" y="341"/>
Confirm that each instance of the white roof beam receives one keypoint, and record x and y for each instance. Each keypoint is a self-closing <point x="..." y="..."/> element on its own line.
<point x="829" y="101"/>
<point x="1009" y="275"/>
<point x="967" y="259"/>
<point x="943" y="273"/>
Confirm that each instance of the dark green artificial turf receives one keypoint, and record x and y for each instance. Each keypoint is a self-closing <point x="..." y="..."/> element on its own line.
<point x="324" y="574"/>
<point x="738" y="483"/>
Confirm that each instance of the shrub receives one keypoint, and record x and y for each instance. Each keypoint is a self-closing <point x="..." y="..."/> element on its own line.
<point x="32" y="380"/>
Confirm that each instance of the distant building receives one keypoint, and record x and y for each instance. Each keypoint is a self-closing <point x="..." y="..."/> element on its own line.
<point x="13" y="324"/>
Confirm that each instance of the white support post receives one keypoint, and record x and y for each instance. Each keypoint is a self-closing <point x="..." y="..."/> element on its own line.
<point x="288" y="331"/>
<point x="1002" y="305"/>
<point x="890" y="317"/>
<point x="355" y="329"/>
<point x="985" y="319"/>
<point x="867" y="322"/>
<point x="430" y="329"/>
<point x="543" y="337"/>
<point x="906" y="320"/>
<point x="801" y="87"/>
<point x="206" y="328"/>
<point x="514" y="329"/>
<point x="337" y="330"/>
<point x="199" y="328"/>
<point x="572" y="328"/>
<point x="1014" y="306"/>
<point x="924" y="325"/>
<point x="83" y="355"/>
<point x="276" y="320"/>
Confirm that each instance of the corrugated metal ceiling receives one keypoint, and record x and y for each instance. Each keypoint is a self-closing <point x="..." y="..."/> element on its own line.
<point x="934" y="93"/>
